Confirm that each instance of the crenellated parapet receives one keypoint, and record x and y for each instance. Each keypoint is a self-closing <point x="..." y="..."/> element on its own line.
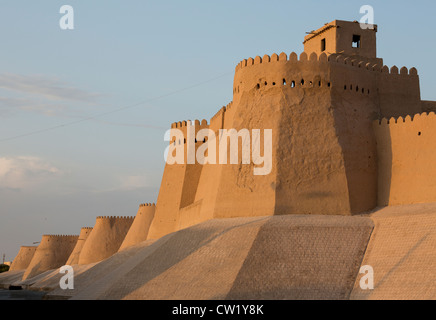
<point x="189" y="123"/>
<point x="358" y="62"/>
<point x="277" y="70"/>
<point x="60" y="237"/>
<point x="340" y="72"/>
<point x="407" y="119"/>
<point x="147" y="205"/>
<point x="115" y="218"/>
<point x="282" y="57"/>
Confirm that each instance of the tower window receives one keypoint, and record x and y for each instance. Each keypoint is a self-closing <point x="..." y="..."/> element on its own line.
<point x="356" y="41"/>
<point x="323" y="45"/>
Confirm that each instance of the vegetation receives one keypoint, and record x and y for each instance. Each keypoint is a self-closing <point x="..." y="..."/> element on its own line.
<point x="3" y="268"/>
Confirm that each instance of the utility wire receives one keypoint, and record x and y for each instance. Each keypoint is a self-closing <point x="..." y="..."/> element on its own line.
<point x="112" y="111"/>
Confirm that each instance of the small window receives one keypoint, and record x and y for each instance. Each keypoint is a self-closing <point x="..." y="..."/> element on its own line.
<point x="323" y="45"/>
<point x="356" y="41"/>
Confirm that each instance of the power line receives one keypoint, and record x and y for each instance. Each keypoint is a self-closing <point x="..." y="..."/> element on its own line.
<point x="112" y="111"/>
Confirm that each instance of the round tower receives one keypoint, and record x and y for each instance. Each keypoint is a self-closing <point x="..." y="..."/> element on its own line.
<point x="23" y="258"/>
<point x="52" y="253"/>
<point x="74" y="257"/>
<point x="138" y="232"/>
<point x="105" y="238"/>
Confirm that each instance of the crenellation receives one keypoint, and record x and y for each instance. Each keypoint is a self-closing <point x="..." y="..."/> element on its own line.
<point x="115" y="217"/>
<point x="407" y="119"/>
<point x="274" y="57"/>
<point x="413" y="72"/>
<point x="147" y="205"/>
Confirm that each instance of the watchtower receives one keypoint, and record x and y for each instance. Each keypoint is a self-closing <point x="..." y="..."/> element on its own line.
<point x="343" y="37"/>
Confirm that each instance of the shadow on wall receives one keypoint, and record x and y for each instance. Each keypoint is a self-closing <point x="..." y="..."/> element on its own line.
<point x="353" y="118"/>
<point x="384" y="162"/>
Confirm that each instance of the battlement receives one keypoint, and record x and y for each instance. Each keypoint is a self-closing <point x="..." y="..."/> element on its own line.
<point x="407" y="119"/>
<point x="59" y="236"/>
<point x="147" y="205"/>
<point x="354" y="61"/>
<point x="115" y="218"/>
<point x="282" y="57"/>
<point x="183" y="124"/>
<point x="87" y="228"/>
<point x="363" y="64"/>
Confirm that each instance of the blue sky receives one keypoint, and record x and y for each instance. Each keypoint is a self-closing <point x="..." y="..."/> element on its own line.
<point x="170" y="61"/>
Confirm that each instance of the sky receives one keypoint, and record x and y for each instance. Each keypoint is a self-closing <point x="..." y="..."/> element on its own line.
<point x="83" y="112"/>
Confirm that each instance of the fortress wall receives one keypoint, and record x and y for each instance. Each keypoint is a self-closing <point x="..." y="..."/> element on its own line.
<point x="52" y="253"/>
<point x="406" y="158"/>
<point x="293" y="98"/>
<point x="74" y="257"/>
<point x="203" y="207"/>
<point x="175" y="191"/>
<point x="23" y="258"/>
<point x="138" y="232"/>
<point x="193" y="171"/>
<point x="399" y="92"/>
<point x="105" y="239"/>
<point x="334" y="97"/>
<point x="354" y="107"/>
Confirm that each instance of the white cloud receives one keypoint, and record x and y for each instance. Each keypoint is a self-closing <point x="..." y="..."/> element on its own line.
<point x="51" y="88"/>
<point x="133" y="182"/>
<point x="24" y="172"/>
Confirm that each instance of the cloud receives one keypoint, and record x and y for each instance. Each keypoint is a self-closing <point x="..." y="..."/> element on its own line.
<point x="133" y="182"/>
<point x="50" y="88"/>
<point x="7" y="105"/>
<point x="24" y="172"/>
